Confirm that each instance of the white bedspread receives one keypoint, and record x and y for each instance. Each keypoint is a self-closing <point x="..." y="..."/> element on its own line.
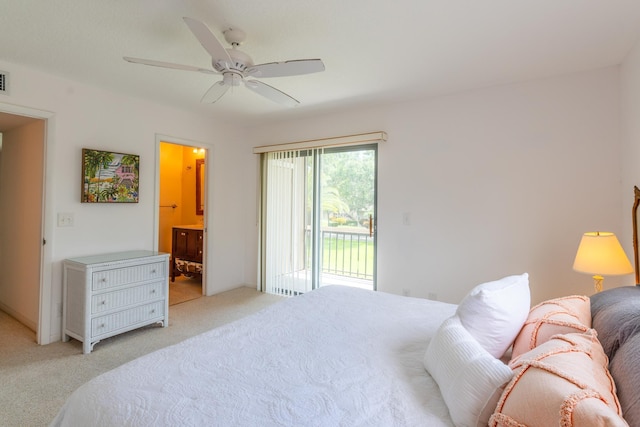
<point x="336" y="356"/>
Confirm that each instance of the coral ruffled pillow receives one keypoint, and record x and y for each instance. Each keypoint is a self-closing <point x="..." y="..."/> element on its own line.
<point x="494" y="312"/>
<point x="563" y="382"/>
<point x="556" y="316"/>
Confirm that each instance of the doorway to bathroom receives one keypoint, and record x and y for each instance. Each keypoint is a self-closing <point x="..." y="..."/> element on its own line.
<point x="181" y="219"/>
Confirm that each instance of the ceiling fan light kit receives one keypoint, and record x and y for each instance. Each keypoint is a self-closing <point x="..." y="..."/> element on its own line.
<point x="235" y="66"/>
<point x="231" y="79"/>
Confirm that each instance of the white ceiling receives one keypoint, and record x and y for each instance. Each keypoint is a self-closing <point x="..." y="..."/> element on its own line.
<point x="374" y="50"/>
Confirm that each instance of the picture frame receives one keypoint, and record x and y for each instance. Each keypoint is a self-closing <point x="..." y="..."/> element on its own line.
<point x="109" y="177"/>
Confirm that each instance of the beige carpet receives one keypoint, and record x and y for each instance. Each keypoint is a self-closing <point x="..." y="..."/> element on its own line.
<point x="184" y="289"/>
<point x="35" y="380"/>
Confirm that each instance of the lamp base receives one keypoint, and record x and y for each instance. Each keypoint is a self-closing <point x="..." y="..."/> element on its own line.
<point x="597" y="283"/>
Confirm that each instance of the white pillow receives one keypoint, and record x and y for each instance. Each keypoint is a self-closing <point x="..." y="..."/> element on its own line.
<point x="471" y="380"/>
<point x="494" y="312"/>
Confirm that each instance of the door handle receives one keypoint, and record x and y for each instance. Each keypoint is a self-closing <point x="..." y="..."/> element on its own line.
<point x="370" y="225"/>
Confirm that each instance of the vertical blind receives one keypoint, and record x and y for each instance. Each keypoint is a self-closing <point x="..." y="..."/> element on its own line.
<point x="286" y="231"/>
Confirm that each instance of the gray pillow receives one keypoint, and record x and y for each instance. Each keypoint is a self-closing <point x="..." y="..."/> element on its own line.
<point x="625" y="370"/>
<point x="615" y="316"/>
<point x="609" y="297"/>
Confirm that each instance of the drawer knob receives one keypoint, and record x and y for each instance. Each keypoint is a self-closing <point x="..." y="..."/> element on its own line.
<point x="153" y="291"/>
<point x="103" y="303"/>
<point x="104" y="279"/>
<point x="153" y="271"/>
<point x="102" y="325"/>
<point x="153" y="311"/>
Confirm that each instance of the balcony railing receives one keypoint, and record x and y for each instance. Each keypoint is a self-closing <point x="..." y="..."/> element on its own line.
<point x="349" y="254"/>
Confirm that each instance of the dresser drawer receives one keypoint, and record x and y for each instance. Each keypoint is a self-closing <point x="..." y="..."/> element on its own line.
<point x="112" y="322"/>
<point x="110" y="300"/>
<point x="119" y="276"/>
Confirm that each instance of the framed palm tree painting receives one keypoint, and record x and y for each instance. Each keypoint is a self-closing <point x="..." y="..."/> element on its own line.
<point x="109" y="177"/>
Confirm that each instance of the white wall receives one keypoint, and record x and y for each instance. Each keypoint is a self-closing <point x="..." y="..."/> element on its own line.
<point x="497" y="181"/>
<point x="171" y="171"/>
<point x="88" y="117"/>
<point x="630" y="99"/>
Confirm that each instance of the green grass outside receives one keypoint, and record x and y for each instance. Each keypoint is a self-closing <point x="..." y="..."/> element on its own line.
<point x="348" y="258"/>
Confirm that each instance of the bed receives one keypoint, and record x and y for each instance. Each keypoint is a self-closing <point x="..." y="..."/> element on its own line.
<point x="341" y="356"/>
<point x="333" y="356"/>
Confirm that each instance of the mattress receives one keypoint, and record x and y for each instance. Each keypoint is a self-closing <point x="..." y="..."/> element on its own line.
<point x="333" y="356"/>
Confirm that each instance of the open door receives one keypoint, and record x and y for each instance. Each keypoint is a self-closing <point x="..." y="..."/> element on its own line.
<point x="181" y="216"/>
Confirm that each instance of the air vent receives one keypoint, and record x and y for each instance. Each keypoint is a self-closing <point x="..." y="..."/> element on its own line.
<point x="4" y="83"/>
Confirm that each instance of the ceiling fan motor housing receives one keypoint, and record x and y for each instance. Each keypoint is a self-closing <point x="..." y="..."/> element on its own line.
<point x="240" y="62"/>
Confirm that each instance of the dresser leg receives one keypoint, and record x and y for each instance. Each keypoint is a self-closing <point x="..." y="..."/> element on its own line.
<point x="87" y="346"/>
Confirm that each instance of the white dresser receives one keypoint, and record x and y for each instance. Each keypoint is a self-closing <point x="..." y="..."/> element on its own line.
<point x="108" y="294"/>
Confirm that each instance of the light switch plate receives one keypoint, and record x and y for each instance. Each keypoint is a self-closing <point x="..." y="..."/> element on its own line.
<point x="65" y="219"/>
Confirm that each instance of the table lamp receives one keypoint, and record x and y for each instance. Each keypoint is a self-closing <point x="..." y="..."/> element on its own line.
<point x="600" y="253"/>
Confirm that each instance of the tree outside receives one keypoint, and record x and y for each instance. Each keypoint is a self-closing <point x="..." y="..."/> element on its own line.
<point x="348" y="188"/>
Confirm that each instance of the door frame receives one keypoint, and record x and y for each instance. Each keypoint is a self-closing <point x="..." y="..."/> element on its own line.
<point x="207" y="214"/>
<point x="44" y="321"/>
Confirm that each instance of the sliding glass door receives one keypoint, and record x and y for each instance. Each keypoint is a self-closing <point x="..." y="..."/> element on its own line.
<point x="318" y="219"/>
<point x="347" y="212"/>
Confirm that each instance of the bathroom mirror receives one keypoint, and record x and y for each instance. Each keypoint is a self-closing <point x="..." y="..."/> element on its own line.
<point x="199" y="186"/>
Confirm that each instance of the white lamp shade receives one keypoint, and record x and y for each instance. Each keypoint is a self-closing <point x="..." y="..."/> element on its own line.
<point x="601" y="253"/>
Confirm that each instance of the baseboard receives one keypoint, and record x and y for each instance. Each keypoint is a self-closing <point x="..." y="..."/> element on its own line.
<point x="19" y="317"/>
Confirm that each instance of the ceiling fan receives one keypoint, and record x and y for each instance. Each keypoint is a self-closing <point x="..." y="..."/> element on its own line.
<point x="237" y="67"/>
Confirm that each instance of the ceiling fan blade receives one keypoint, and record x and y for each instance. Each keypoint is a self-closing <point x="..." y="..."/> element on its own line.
<point x="208" y="40"/>
<point x="271" y="93"/>
<point x="215" y="92"/>
<point x="167" y="65"/>
<point x="287" y="68"/>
